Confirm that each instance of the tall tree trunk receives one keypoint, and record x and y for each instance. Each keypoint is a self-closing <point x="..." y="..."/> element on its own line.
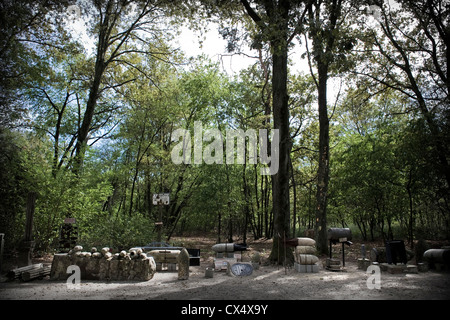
<point x="277" y="32"/>
<point x="295" y="199"/>
<point x="320" y="227"/>
<point x="280" y="190"/>
<point x="94" y="90"/>
<point x="323" y="54"/>
<point x="246" y="196"/>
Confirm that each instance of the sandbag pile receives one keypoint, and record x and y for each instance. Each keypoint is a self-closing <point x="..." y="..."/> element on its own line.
<point x="305" y="258"/>
<point x="103" y="265"/>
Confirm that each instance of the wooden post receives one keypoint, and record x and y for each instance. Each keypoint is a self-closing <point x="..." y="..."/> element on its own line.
<point x="343" y="255"/>
<point x="160" y="223"/>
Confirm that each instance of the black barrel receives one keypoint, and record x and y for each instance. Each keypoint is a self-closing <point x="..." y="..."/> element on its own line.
<point x="334" y="234"/>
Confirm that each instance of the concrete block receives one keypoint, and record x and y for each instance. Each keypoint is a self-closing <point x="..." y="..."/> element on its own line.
<point x="209" y="273"/>
<point x="395" y="269"/>
<point x="363" y="264"/>
<point x="412" y="268"/>
<point x="384" y="266"/>
<point x="422" y="267"/>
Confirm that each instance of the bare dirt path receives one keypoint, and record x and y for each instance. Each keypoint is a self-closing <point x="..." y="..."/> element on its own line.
<point x="267" y="283"/>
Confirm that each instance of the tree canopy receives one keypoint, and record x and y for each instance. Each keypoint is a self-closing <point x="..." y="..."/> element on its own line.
<point x="91" y="99"/>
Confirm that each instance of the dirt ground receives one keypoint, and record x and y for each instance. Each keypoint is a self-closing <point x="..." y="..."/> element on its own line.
<point x="267" y="283"/>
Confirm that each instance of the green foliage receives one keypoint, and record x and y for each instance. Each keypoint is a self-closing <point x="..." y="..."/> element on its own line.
<point x="119" y="232"/>
<point x="386" y="177"/>
<point x="14" y="187"/>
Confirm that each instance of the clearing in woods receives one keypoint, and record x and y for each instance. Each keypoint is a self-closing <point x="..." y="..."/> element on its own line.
<point x="266" y="283"/>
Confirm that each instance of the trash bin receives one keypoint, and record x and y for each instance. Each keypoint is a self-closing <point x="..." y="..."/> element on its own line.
<point x="396" y="252"/>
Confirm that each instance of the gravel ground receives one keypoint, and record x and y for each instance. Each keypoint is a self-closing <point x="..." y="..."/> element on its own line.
<point x="267" y="283"/>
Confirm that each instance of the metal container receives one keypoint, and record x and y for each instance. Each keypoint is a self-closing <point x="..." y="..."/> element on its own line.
<point x="339" y="234"/>
<point x="437" y="256"/>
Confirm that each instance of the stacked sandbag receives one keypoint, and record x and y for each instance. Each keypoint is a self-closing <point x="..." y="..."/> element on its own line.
<point x="305" y="258"/>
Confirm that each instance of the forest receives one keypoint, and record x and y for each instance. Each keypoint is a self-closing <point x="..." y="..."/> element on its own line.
<point x="93" y="91"/>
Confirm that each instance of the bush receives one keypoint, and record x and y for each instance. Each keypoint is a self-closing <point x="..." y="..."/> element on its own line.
<point x="120" y="232"/>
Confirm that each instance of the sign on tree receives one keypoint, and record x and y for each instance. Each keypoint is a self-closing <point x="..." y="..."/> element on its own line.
<point x="161" y="199"/>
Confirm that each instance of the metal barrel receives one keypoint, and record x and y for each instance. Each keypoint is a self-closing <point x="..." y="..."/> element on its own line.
<point x="437" y="255"/>
<point x="335" y="234"/>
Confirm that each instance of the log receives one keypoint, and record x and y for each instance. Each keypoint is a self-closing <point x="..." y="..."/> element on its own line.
<point x="36" y="273"/>
<point x="16" y="273"/>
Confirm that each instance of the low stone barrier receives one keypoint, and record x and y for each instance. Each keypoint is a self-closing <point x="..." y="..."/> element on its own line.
<point x="104" y="265"/>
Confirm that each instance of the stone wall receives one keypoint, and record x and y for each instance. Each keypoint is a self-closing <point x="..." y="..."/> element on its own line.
<point x="104" y="265"/>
